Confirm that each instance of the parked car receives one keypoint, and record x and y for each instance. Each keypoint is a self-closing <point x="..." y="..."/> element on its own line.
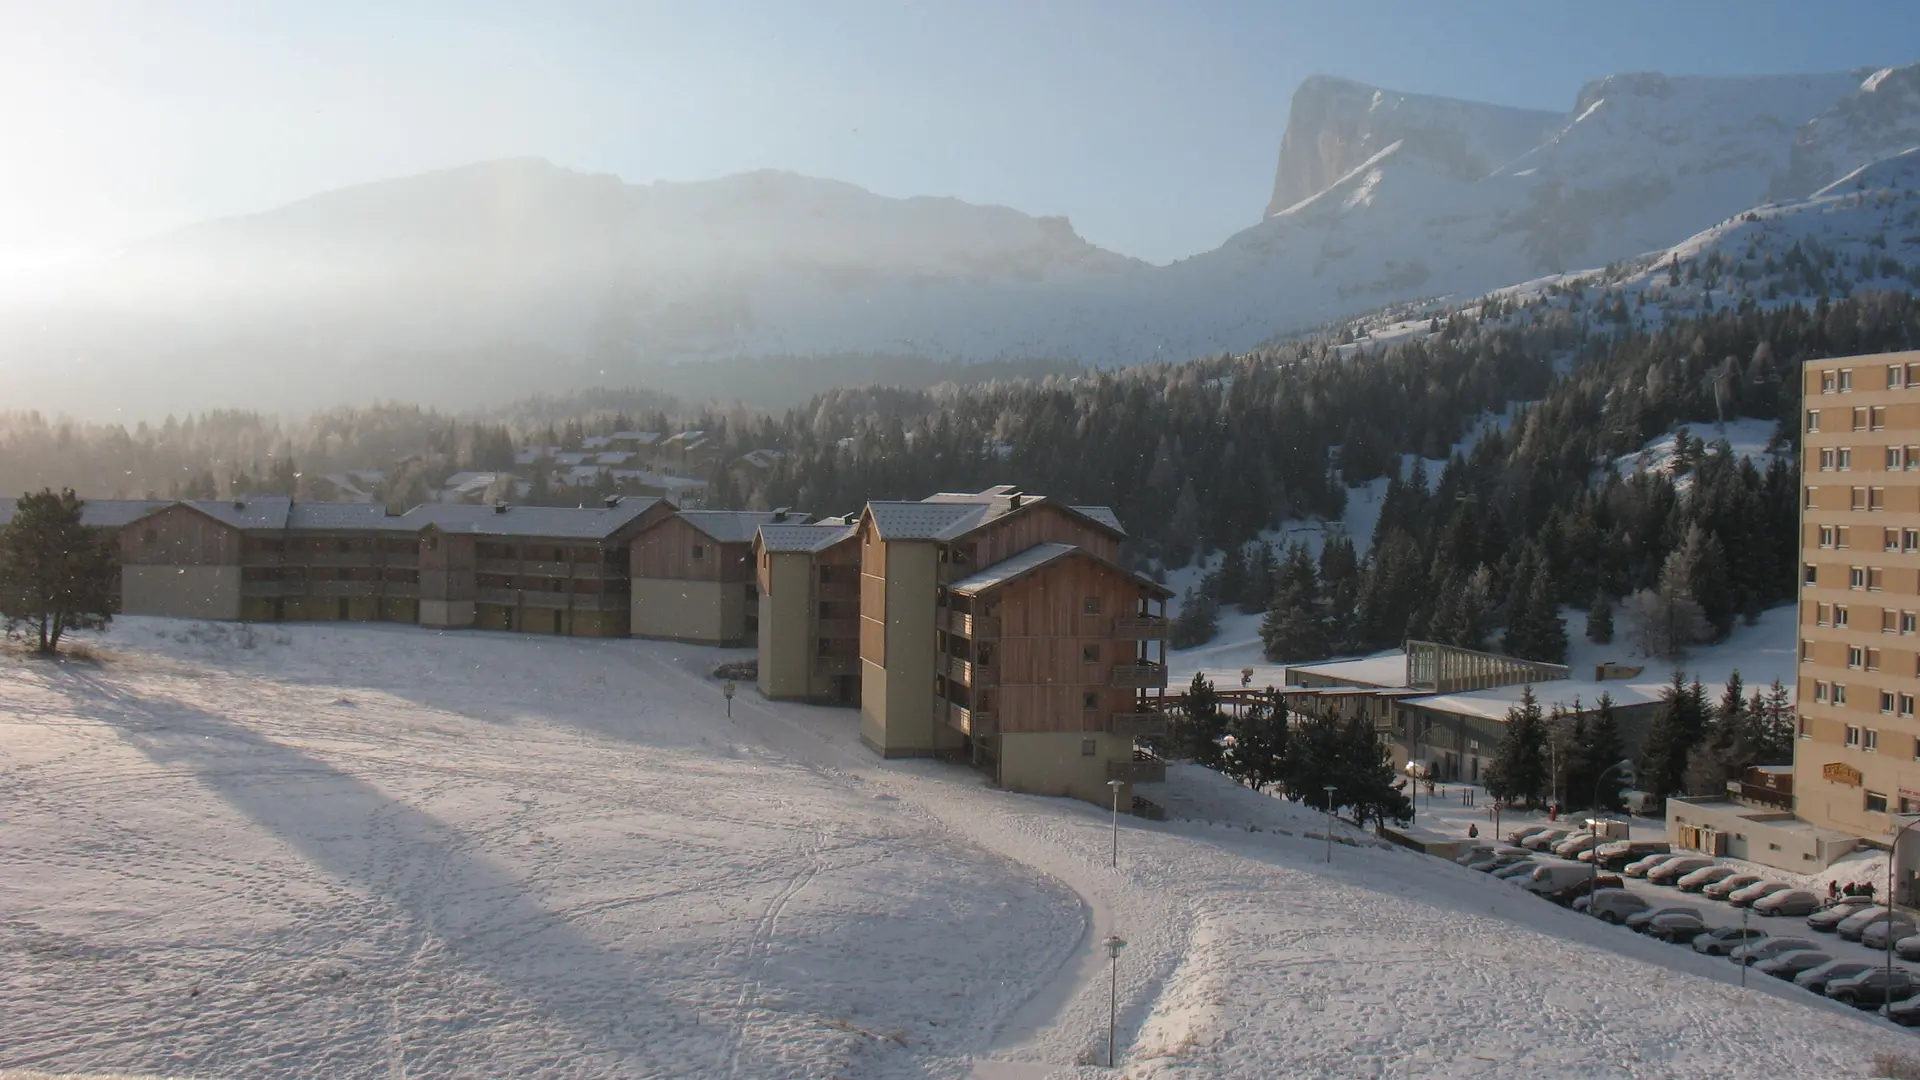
<point x="1703" y="877"/>
<point x="1473" y="853"/>
<point x="1854" y="925"/>
<point x="1567" y="895"/>
<point x="1872" y="987"/>
<point x="1500" y="860"/>
<point x="1542" y="841"/>
<point x="1616" y="854"/>
<point x="1640" y="919"/>
<point x="1759" y="891"/>
<point x="1727" y="886"/>
<point x="1907" y="948"/>
<point x="1794" y="902"/>
<point x="1788" y="965"/>
<point x="1676" y="929"/>
<point x="1726" y="939"/>
<point x="1880" y="932"/>
<point x="1646" y="864"/>
<point x="1522" y="833"/>
<point x="1815" y="979"/>
<point x="1519" y="868"/>
<point x="1906" y="1012"/>
<point x="1552" y="877"/>
<point x="1828" y="919"/>
<point x="1671" y="871"/>
<point x="1572" y="846"/>
<point x="1757" y="951"/>
<point x="1615" y="904"/>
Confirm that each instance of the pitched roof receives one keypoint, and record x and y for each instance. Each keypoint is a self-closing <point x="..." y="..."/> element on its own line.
<point x="734" y="526"/>
<point x="950" y="515"/>
<point x="1035" y="557"/>
<point x="1102" y="514"/>
<point x="348" y="516"/>
<point x="248" y="511"/>
<point x="556" y="522"/>
<point x="101" y="513"/>
<point x="808" y="538"/>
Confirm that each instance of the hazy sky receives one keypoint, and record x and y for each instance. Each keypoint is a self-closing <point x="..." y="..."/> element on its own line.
<point x="1154" y="126"/>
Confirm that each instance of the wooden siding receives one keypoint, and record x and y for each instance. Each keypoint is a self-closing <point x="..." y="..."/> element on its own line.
<point x="1043" y="523"/>
<point x="179" y="536"/>
<point x="666" y="551"/>
<point x="1043" y="675"/>
<point x="446" y="566"/>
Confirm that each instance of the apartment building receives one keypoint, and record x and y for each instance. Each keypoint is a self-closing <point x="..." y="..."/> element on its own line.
<point x="809" y="633"/>
<point x="693" y="576"/>
<point x="999" y="625"/>
<point x="1857" y="761"/>
<point x="191" y="558"/>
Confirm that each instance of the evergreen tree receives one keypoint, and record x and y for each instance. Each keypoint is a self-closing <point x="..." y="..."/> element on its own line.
<point x="1258" y="755"/>
<point x="1262" y="569"/>
<point x="1724" y="752"/>
<point x="1678" y="727"/>
<point x="1197" y="621"/>
<point x="1771" y="724"/>
<point x="56" y="573"/>
<point x="1604" y="748"/>
<point x="1367" y="786"/>
<point x="1294" y="628"/>
<point x="1196" y="735"/>
<point x="1518" y="771"/>
<point x="1600" y="619"/>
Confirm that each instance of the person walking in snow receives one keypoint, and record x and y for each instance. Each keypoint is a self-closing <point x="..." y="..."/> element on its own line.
<point x="1473" y="832"/>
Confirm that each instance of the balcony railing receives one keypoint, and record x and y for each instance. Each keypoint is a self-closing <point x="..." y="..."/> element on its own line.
<point x="1140" y="628"/>
<point x="969" y="721"/>
<point x="543" y="599"/>
<point x="547" y="568"/>
<point x="972" y="626"/>
<point x="337" y="588"/>
<point x="1139" y="676"/>
<point x="1138" y="771"/>
<point x="839" y="628"/>
<point x="270" y="588"/>
<point x="332" y="558"/>
<point x="969" y="674"/>
<point x="1139" y="725"/>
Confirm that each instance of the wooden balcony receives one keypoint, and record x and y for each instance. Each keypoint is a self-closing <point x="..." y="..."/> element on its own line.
<point x="333" y="558"/>
<point x="1140" y="628"/>
<point x="970" y="721"/>
<point x="546" y="568"/>
<point x="543" y="599"/>
<point x="976" y="627"/>
<point x="967" y="674"/>
<point x="836" y="665"/>
<point x="837" y="590"/>
<point x="838" y="628"/>
<point x="1138" y="771"/>
<point x="338" y="588"/>
<point x="271" y="588"/>
<point x="1139" y="676"/>
<point x="1139" y="725"/>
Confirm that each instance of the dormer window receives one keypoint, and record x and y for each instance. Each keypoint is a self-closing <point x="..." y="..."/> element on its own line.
<point x="699" y="552"/>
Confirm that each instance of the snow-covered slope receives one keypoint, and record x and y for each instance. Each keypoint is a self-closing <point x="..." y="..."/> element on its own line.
<point x="322" y="851"/>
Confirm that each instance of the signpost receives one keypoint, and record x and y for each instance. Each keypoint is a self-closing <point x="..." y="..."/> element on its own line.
<point x="728" y="691"/>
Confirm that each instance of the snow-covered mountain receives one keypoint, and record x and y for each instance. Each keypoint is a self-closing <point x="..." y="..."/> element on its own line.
<point x="484" y="282"/>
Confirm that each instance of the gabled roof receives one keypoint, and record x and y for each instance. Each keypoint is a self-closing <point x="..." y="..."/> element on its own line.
<point x="554" y="522"/>
<point x="101" y="513"/>
<point x="808" y="538"/>
<point x="1035" y="557"/>
<point x="348" y="517"/>
<point x="950" y="515"/>
<point x="734" y="526"/>
<point x="248" y="511"/>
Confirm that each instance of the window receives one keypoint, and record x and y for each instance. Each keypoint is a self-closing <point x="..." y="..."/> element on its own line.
<point x="1806" y="651"/>
<point x="1910" y="540"/>
<point x="1907" y="805"/>
<point x="1090" y="700"/>
<point x="826" y="575"/>
<point x="1856" y="577"/>
<point x="1877" y="417"/>
<point x="1896" y="376"/>
<point x="1858" y="499"/>
<point x="1089" y="654"/>
<point x="1906" y="704"/>
<point x="1803" y="734"/>
<point x="1877" y="498"/>
<point x="1876" y="803"/>
<point x="1809" y="499"/>
<point x="699" y="552"/>
<point x="1909" y="621"/>
<point x="1889" y="621"/>
<point x="1856" y="657"/>
<point x="1886" y="704"/>
<point x="1088" y="747"/>
<point x="1839" y="693"/>
<point x="1826" y="536"/>
<point x="1873" y="659"/>
<point x="1876" y="579"/>
<point x="1842" y="536"/>
<point x="1820" y="691"/>
<point x="1090" y="606"/>
<point x="1827" y="459"/>
<point x="1829" y="382"/>
<point x="1911" y="457"/>
<point x="1844" y="457"/>
<point x="1853" y="736"/>
<point x="1840" y="614"/>
<point x="1811" y="575"/>
<point x="1896" y="459"/>
<point x="1813" y="419"/>
<point x="1823" y="615"/>
<point x="1913" y="375"/>
<point x="1859" y="419"/>
<point x="1846" y="380"/>
<point x="1890" y="540"/>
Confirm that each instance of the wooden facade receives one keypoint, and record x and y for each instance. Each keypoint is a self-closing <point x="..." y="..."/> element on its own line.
<point x="673" y="548"/>
<point x="1038" y="522"/>
<point x="180" y="535"/>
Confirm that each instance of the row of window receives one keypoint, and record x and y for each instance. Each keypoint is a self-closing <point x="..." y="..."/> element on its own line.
<point x="1840" y="380"/>
<point x="1892" y="621"/>
<point x="1860" y="498"/>
<point x="1859" y="578"/>
<point x="1898" y="458"/>
<point x="1859" y="657"/>
<point x="1891" y="703"/>
<point x="1840" y="538"/>
<point x="1863" y="418"/>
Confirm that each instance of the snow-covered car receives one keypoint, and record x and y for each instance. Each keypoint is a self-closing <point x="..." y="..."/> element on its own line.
<point x="1639" y="920"/>
<point x="1703" y="877"/>
<point x="1907" y="948"/>
<point x="1794" y="902"/>
<point x="1853" y="926"/>
<point x="1754" y="952"/>
<point x="1789" y="965"/>
<point x="1671" y="871"/>
<point x="1499" y="860"/>
<point x="1473" y="853"/>
<point x="1552" y="877"/>
<point x="1881" y="932"/>
<point x="1618" y="854"/>
<point x="1573" y="845"/>
<point x="1873" y="987"/>
<point x="1614" y="905"/>
<point x="1815" y="979"/>
<point x="1543" y="841"/>
<point x="1759" y="891"/>
<point x="1676" y="929"/>
<point x="1646" y="864"/>
<point x="1828" y="919"/>
<point x="1521" y="868"/>
<point x="1727" y="886"/>
<point x="1726" y="939"/>
<point x="1517" y="835"/>
<point x="1567" y="895"/>
<point x="1905" y="1012"/>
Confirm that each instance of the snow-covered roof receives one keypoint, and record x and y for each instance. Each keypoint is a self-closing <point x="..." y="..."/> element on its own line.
<point x="950" y="515"/>
<point x="733" y="526"/>
<point x="571" y="458"/>
<point x="311" y="515"/>
<point x="805" y="538"/>
<point x="248" y="511"/>
<point x="642" y="438"/>
<point x="101" y="513"/>
<point x="558" y="522"/>
<point x="1035" y="557"/>
<point x="1493" y="704"/>
<point x="1102" y="514"/>
<point x="1387" y="669"/>
<point x="660" y="480"/>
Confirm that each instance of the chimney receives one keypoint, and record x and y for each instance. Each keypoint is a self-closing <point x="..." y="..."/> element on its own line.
<point x="780" y="513"/>
<point x="1013" y="500"/>
<point x="239" y="504"/>
<point x="499" y="506"/>
<point x="612" y="501"/>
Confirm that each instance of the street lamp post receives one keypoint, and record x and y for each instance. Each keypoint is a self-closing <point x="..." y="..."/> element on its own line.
<point x="1893" y="854"/>
<point x="1424" y="772"/>
<point x="1625" y="768"/>
<point x="1114" y="944"/>
<point x="727" y="691"/>
<point x="1116" y="785"/>
<point x="1330" y="790"/>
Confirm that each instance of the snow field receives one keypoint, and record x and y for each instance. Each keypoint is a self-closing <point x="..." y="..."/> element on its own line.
<point x="373" y="851"/>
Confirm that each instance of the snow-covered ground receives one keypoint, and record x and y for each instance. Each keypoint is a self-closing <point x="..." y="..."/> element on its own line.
<point x="356" y="851"/>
